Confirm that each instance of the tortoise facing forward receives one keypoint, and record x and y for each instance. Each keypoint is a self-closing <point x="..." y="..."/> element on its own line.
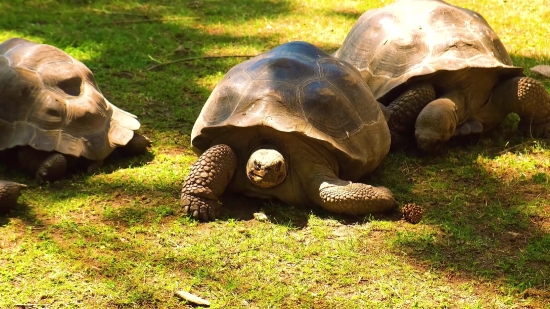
<point x="51" y="111"/>
<point x="442" y="71"/>
<point x="294" y="124"/>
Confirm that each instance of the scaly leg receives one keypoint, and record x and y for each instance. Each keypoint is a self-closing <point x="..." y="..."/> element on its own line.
<point x="207" y="180"/>
<point x="46" y="166"/>
<point x="405" y="109"/>
<point x="346" y="197"/>
<point x="529" y="99"/>
<point x="137" y="145"/>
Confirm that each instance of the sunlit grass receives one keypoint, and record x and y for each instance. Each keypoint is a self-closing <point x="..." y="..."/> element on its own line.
<point x="531" y="162"/>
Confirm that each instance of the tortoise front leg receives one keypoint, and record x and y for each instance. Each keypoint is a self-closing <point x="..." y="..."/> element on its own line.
<point x="358" y="199"/>
<point x="136" y="146"/>
<point x="207" y="180"/>
<point x="529" y="99"/>
<point x="45" y="166"/>
<point x="346" y="197"/>
<point x="405" y="109"/>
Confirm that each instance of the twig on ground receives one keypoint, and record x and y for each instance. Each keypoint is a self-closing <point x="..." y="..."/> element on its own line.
<point x="516" y="146"/>
<point x="195" y="58"/>
<point x="192" y="298"/>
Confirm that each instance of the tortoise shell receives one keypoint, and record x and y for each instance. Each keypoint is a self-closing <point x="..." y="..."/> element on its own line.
<point x="299" y="89"/>
<point x="409" y="39"/>
<point x="50" y="101"/>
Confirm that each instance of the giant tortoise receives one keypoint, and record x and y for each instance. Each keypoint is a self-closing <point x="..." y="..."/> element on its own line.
<point x="52" y="112"/>
<point x="294" y="124"/>
<point x="442" y="71"/>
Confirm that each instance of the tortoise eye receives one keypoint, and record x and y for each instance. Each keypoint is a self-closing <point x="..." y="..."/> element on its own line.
<point x="278" y="166"/>
<point x="257" y="166"/>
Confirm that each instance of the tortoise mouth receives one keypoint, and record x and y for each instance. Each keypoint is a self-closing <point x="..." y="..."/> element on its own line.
<point x="266" y="178"/>
<point x="255" y="177"/>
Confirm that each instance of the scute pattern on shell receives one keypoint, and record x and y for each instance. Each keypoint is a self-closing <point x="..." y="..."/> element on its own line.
<point x="411" y="38"/>
<point x="50" y="101"/>
<point x="299" y="89"/>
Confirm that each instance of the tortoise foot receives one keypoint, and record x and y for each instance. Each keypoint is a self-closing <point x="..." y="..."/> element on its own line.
<point x="136" y="146"/>
<point x="202" y="209"/>
<point x="53" y="168"/>
<point x="207" y="180"/>
<point x="9" y="193"/>
<point x="469" y="127"/>
<point x="43" y="165"/>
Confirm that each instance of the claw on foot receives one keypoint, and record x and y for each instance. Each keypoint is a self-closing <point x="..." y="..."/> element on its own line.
<point x="199" y="208"/>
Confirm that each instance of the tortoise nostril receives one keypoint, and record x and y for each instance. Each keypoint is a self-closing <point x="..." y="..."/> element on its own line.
<point x="71" y="86"/>
<point x="53" y="112"/>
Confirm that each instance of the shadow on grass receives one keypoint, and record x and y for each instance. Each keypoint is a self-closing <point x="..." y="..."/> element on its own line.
<point x="485" y="226"/>
<point x="298" y="217"/>
<point x="11" y="168"/>
<point x="119" y="41"/>
<point x="481" y="225"/>
<point x="478" y="225"/>
<point x="22" y="211"/>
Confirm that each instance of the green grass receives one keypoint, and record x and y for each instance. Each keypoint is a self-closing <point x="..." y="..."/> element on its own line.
<point x="117" y="239"/>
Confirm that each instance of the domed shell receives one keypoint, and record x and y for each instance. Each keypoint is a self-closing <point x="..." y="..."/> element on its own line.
<point x="411" y="38"/>
<point x="50" y="101"/>
<point x="299" y="89"/>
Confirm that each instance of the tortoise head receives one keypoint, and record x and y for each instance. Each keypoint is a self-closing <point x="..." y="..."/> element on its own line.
<point x="435" y="124"/>
<point x="266" y="167"/>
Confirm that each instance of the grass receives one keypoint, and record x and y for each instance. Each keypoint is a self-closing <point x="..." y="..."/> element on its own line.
<point x="116" y="239"/>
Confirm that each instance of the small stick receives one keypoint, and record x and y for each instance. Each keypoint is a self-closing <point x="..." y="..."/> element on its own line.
<point x="516" y="146"/>
<point x="195" y="58"/>
<point x="192" y="298"/>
